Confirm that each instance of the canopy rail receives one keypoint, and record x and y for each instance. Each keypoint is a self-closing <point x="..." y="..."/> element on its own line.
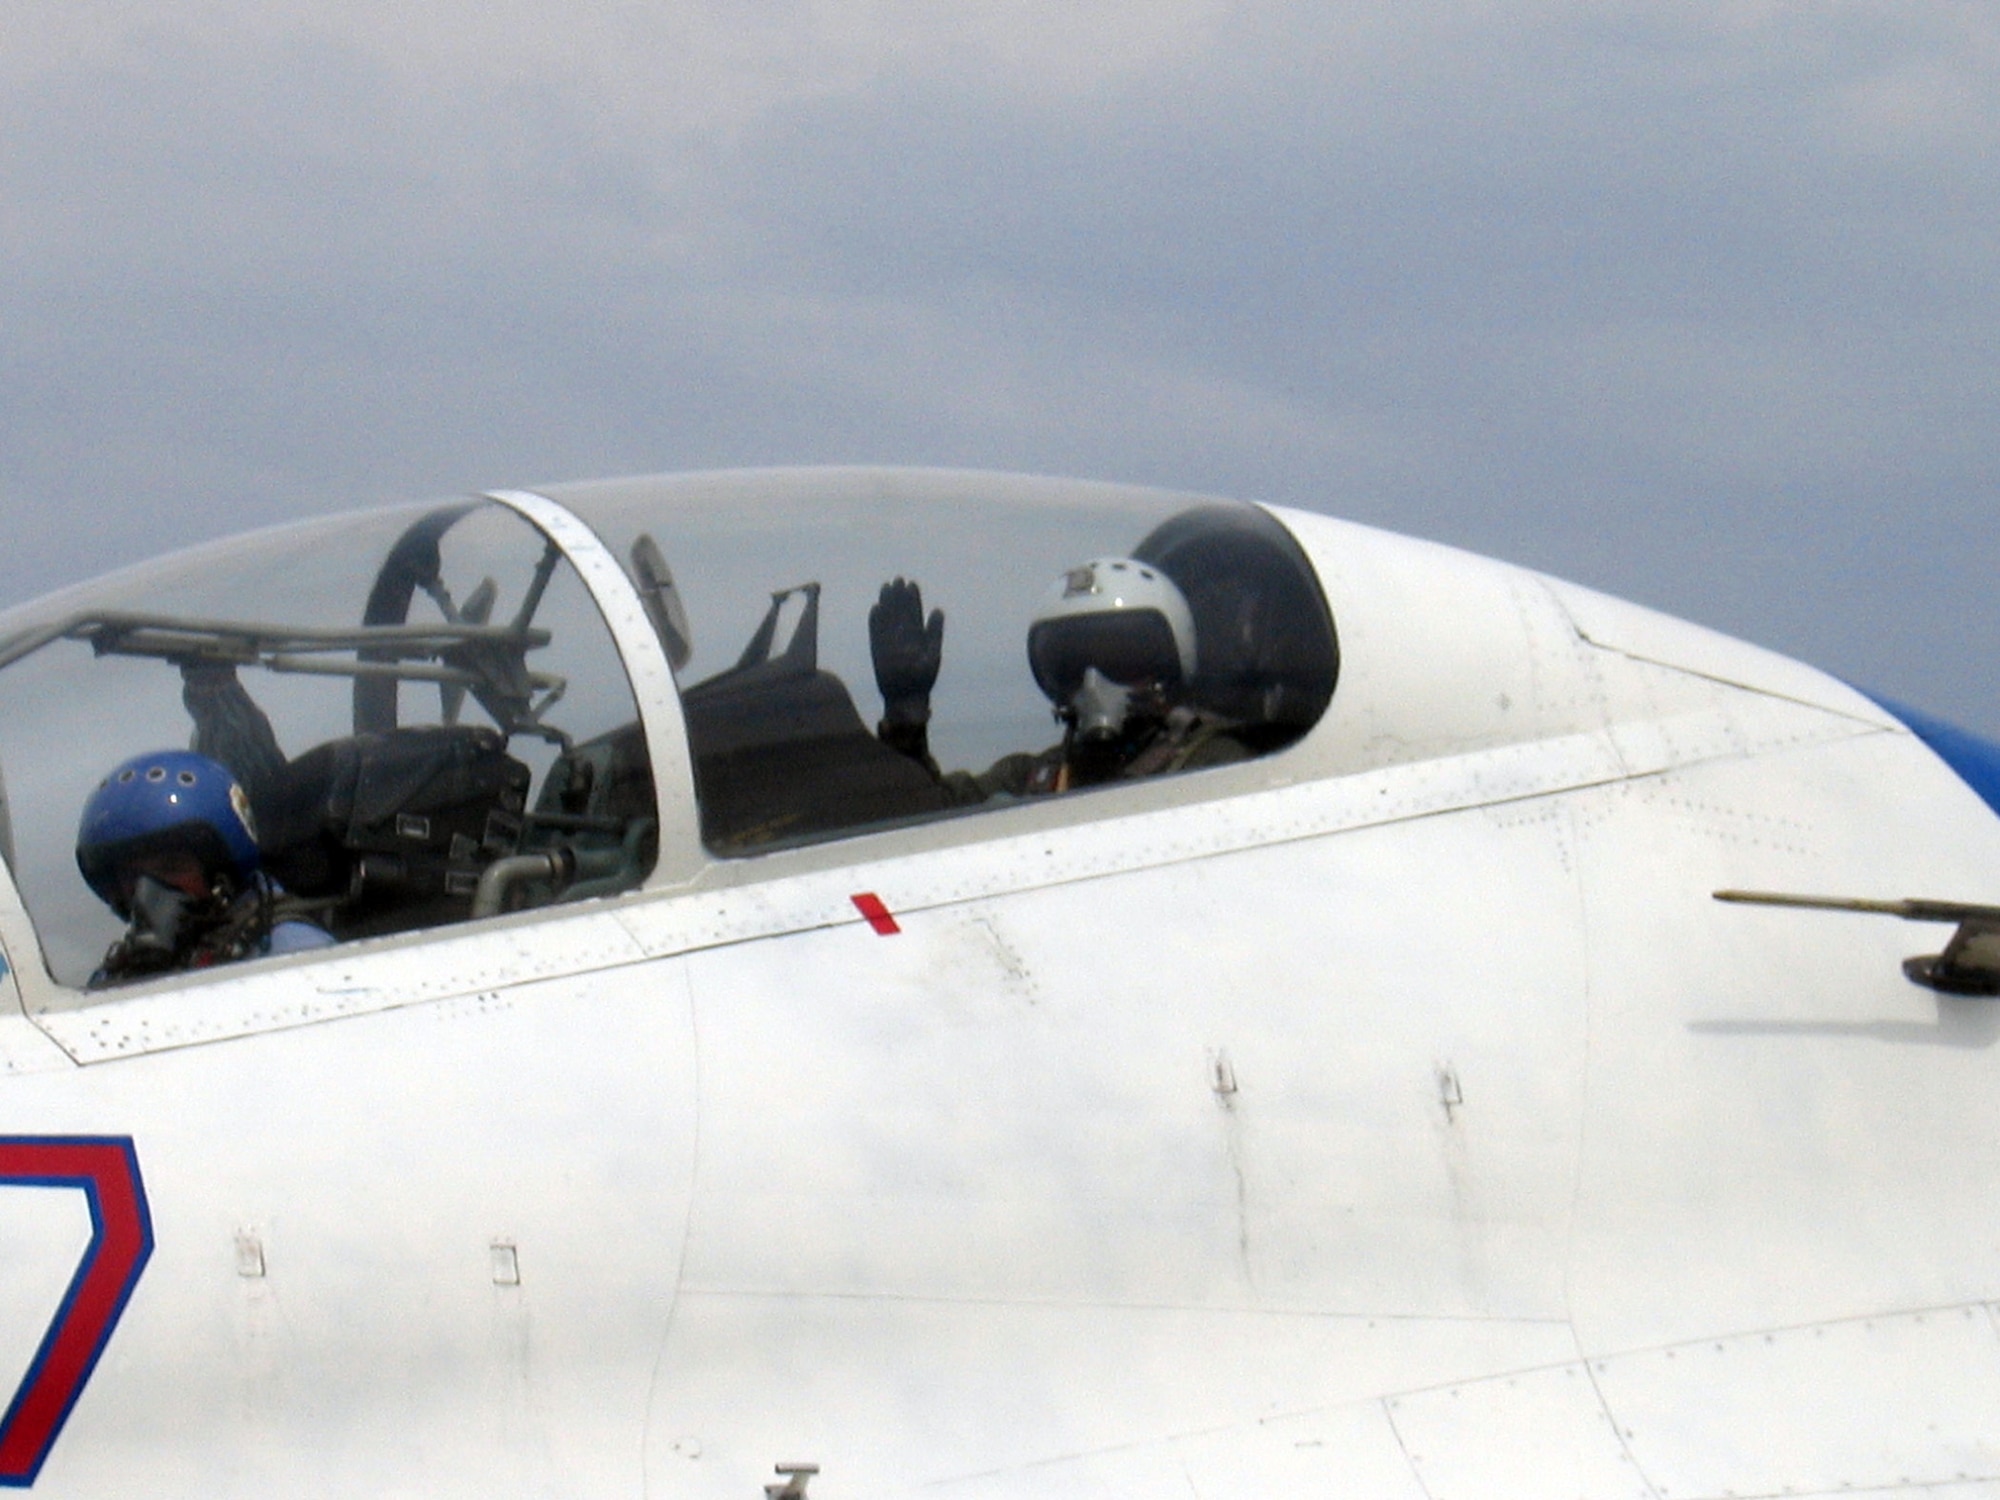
<point x="490" y="661"/>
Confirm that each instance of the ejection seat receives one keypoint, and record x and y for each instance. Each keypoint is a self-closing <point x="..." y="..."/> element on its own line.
<point x="1268" y="657"/>
<point x="780" y="753"/>
<point x="394" y="827"/>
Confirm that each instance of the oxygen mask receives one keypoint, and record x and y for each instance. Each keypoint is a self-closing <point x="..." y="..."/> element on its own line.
<point x="1099" y="708"/>
<point x="159" y="925"/>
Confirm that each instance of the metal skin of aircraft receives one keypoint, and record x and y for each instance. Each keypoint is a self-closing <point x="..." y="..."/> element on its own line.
<point x="1391" y="1111"/>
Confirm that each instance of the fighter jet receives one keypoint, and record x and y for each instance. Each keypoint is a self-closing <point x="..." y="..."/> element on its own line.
<point x="866" y="983"/>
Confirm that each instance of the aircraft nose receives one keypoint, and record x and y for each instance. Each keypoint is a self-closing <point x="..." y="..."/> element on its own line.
<point x="1975" y="759"/>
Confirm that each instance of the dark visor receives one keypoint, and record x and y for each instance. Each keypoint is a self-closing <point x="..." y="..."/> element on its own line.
<point x="111" y="869"/>
<point x="1129" y="647"/>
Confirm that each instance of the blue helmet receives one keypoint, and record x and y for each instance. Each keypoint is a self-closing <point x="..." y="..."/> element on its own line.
<point x="165" y="802"/>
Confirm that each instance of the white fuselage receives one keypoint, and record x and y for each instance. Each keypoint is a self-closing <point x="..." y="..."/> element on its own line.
<point x="1396" y="1117"/>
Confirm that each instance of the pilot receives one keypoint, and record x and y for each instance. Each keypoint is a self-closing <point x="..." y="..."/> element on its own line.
<point x="167" y="842"/>
<point x="1112" y="645"/>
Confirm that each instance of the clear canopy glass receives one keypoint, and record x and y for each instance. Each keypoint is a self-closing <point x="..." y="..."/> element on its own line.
<point x="388" y="668"/>
<point x="430" y="719"/>
<point x="742" y="570"/>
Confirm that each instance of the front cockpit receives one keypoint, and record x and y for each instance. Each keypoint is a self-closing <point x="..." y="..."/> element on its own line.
<point x="447" y="712"/>
<point x="765" y="597"/>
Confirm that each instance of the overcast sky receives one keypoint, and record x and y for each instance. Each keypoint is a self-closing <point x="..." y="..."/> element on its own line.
<point x="1695" y="303"/>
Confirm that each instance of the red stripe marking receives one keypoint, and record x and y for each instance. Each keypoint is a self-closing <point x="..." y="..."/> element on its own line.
<point x="870" y="906"/>
<point x="122" y="1240"/>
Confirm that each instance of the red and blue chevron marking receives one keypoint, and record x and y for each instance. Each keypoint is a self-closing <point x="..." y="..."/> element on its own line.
<point x="105" y="1169"/>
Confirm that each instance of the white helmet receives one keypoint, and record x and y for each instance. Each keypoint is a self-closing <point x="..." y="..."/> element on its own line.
<point x="1125" y="618"/>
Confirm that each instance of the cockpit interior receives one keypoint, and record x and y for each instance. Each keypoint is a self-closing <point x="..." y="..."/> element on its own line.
<point x="432" y="719"/>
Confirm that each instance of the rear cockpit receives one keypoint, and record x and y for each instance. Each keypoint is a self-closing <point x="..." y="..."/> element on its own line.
<point x="388" y="764"/>
<point x="432" y="713"/>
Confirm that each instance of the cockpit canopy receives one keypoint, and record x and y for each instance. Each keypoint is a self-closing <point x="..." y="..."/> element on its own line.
<point x="389" y="689"/>
<point x="418" y="701"/>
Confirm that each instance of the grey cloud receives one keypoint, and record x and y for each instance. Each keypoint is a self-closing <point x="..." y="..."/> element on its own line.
<point x="1696" y="313"/>
<point x="1645" y="308"/>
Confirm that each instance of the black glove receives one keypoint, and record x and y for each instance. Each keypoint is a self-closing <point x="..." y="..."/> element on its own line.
<point x="908" y="650"/>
